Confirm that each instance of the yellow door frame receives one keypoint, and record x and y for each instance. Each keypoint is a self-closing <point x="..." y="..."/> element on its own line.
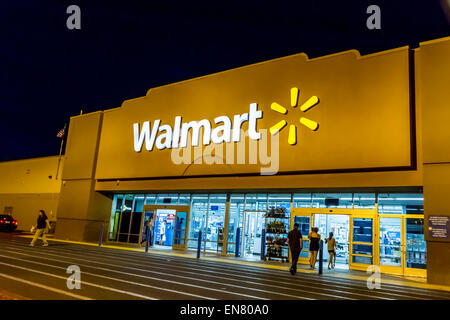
<point x="393" y="269"/>
<point x="364" y="214"/>
<point x="155" y="207"/>
<point x="302" y="212"/>
<point x="413" y="271"/>
<point x="351" y="212"/>
<point x="403" y="269"/>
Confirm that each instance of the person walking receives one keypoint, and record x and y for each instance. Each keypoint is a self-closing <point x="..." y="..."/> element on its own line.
<point x="295" y="244"/>
<point x="151" y="225"/>
<point x="148" y="230"/>
<point x="42" y="226"/>
<point x="331" y="250"/>
<point x="314" y="239"/>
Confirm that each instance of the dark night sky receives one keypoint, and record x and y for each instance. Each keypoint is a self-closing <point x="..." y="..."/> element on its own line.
<point x="49" y="73"/>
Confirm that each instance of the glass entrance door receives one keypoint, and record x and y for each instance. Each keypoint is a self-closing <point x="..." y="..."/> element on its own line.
<point x="391" y="244"/>
<point x="252" y="236"/>
<point x="181" y="221"/>
<point x="169" y="225"/>
<point x="164" y="225"/>
<point x="416" y="247"/>
<point x="148" y="215"/>
<point x="402" y="245"/>
<point x="362" y="241"/>
<point x="305" y="221"/>
<point x="339" y="224"/>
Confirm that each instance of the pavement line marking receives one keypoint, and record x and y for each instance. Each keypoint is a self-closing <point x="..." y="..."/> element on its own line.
<point x="83" y="282"/>
<point x="342" y="286"/>
<point x="401" y="294"/>
<point x="196" y="279"/>
<point x="42" y="286"/>
<point x="101" y="276"/>
<point x="158" y="279"/>
<point x="286" y="288"/>
<point x="144" y="270"/>
<point x="126" y="281"/>
<point x="397" y="282"/>
<point x="344" y="276"/>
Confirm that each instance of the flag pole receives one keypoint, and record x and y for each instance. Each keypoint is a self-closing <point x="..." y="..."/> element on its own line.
<point x="60" y="152"/>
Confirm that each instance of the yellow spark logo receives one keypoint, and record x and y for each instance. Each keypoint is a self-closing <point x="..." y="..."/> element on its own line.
<point x="311" y="102"/>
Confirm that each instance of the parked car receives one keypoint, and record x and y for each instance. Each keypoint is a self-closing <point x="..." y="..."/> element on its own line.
<point x="8" y="223"/>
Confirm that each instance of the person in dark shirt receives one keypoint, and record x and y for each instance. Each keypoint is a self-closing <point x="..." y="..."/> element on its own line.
<point x="41" y="226"/>
<point x="314" y="244"/>
<point x="296" y="245"/>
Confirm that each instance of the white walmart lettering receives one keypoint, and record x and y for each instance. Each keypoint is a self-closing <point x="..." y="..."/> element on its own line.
<point x="177" y="137"/>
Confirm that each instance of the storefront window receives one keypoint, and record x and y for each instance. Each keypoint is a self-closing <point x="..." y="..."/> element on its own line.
<point x="302" y="200"/>
<point x="390" y="241"/>
<point x="136" y="218"/>
<point x="197" y="221"/>
<point x="332" y="200"/>
<point x="253" y="223"/>
<point x="167" y="199"/>
<point x="364" y="200"/>
<point x="115" y="215"/>
<point x="150" y="199"/>
<point x="138" y="202"/>
<point x="184" y="199"/>
<point x="256" y="202"/>
<point x="126" y="208"/>
<point x="236" y="214"/>
<point x="280" y="200"/>
<point x="400" y="203"/>
<point x="416" y="247"/>
<point x="216" y="222"/>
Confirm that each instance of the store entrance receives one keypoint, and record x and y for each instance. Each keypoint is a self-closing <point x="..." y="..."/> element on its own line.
<point x="339" y="224"/>
<point x="252" y="235"/>
<point x="164" y="225"/>
<point x="168" y="226"/>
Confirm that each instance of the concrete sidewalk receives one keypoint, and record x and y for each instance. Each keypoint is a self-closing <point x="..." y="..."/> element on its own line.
<point x="416" y="282"/>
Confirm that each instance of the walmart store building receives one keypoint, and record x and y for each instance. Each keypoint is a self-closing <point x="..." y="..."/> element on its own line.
<point x="363" y="151"/>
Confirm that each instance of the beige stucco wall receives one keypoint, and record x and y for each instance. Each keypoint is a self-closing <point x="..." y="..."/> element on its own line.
<point x="28" y="186"/>
<point x="82" y="211"/>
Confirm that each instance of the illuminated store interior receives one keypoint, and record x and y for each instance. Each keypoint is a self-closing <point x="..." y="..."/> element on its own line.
<point x="398" y="224"/>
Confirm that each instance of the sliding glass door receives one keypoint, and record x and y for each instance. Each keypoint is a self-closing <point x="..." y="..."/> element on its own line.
<point x="362" y="240"/>
<point x="305" y="219"/>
